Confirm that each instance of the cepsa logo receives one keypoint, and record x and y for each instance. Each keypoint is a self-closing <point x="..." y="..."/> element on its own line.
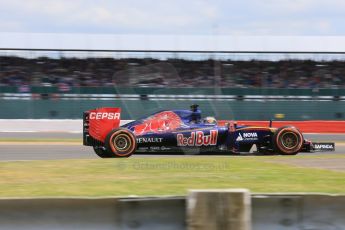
<point x="101" y="116"/>
<point x="198" y="139"/>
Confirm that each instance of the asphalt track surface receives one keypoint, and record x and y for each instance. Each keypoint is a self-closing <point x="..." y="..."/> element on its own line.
<point x="51" y="151"/>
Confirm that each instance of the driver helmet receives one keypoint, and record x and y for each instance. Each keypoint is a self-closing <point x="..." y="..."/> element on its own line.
<point x="210" y="120"/>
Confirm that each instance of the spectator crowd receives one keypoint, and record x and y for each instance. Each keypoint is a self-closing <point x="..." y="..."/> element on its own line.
<point x="66" y="73"/>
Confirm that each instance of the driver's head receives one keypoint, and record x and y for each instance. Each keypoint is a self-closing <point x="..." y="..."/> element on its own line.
<point x="194" y="107"/>
<point x="210" y="120"/>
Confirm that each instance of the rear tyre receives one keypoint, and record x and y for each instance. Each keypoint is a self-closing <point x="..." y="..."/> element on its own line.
<point x="102" y="152"/>
<point x="120" y="143"/>
<point x="287" y="140"/>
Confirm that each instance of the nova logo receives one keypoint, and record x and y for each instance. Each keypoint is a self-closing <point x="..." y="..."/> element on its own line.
<point x="197" y="139"/>
<point x="239" y="138"/>
<point x="101" y="116"/>
<point x="247" y="137"/>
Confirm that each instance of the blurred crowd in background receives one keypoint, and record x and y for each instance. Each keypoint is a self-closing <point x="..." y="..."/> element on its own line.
<point x="66" y="73"/>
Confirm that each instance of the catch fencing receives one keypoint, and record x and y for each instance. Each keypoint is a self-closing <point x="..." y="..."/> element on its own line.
<point x="224" y="103"/>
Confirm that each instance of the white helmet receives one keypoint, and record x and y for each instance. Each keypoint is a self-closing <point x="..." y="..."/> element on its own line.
<point x="210" y="120"/>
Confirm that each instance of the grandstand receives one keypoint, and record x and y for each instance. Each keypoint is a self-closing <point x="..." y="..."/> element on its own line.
<point x="233" y="79"/>
<point x="66" y="73"/>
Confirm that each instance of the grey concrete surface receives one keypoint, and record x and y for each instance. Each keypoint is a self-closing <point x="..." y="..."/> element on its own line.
<point x="43" y="125"/>
<point x="45" y="152"/>
<point x="40" y="135"/>
<point x="269" y="212"/>
<point x="92" y="213"/>
<point x="64" y="135"/>
<point x="75" y="151"/>
<point x="10" y="152"/>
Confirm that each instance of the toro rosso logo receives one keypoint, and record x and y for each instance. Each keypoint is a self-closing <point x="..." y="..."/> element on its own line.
<point x="101" y="116"/>
<point x="197" y="139"/>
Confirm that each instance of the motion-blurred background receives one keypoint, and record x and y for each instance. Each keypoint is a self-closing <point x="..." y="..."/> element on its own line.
<point x="60" y="58"/>
<point x="244" y="60"/>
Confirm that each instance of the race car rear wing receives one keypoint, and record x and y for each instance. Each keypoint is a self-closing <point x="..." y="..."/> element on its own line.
<point x="97" y="123"/>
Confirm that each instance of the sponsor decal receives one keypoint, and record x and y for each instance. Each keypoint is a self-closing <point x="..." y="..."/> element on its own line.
<point x="162" y="122"/>
<point x="323" y="146"/>
<point x="247" y="136"/>
<point x="101" y="116"/>
<point x="197" y="138"/>
<point x="149" y="140"/>
<point x="155" y="148"/>
<point x="143" y="148"/>
<point x="239" y="138"/>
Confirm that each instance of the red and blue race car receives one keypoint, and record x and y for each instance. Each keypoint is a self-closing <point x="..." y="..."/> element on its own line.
<point x="185" y="131"/>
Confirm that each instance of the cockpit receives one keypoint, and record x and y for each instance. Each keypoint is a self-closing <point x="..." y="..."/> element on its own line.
<point x="193" y="116"/>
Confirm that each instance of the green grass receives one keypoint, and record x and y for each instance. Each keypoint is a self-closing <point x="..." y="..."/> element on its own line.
<point x="162" y="176"/>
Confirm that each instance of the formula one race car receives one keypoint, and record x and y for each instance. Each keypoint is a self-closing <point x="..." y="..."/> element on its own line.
<point x="185" y="131"/>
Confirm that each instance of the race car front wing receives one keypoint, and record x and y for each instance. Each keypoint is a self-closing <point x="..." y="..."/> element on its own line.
<point x="318" y="146"/>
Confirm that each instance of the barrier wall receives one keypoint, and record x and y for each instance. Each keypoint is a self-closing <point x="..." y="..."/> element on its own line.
<point x="181" y="91"/>
<point x="134" y="109"/>
<point x="303" y="126"/>
<point x="223" y="103"/>
<point x="268" y="212"/>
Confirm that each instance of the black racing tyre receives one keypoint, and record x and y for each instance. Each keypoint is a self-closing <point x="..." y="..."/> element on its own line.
<point x="120" y="142"/>
<point x="102" y="152"/>
<point x="287" y="140"/>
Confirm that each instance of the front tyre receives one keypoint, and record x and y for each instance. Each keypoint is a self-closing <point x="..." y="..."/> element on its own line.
<point x="287" y="140"/>
<point x="120" y="143"/>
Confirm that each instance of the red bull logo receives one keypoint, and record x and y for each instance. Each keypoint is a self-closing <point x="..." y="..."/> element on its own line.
<point x="197" y="138"/>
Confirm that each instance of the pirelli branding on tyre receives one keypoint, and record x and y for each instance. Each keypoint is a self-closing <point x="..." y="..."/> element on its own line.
<point x="288" y="140"/>
<point x="121" y="142"/>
